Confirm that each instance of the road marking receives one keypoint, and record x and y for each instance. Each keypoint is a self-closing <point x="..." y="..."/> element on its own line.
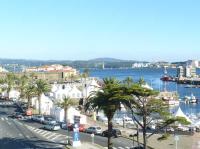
<point x="40" y="131"/>
<point x="6" y="118"/>
<point x="47" y="134"/>
<point x="2" y="118"/>
<point x="9" y="123"/>
<point x="51" y="135"/>
<point x="20" y="135"/>
<point x="56" y="137"/>
<point x="63" y="141"/>
<point x="28" y="137"/>
<point x="37" y="130"/>
<point x="43" y="132"/>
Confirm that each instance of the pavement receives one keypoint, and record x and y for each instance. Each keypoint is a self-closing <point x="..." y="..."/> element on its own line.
<point x="13" y="134"/>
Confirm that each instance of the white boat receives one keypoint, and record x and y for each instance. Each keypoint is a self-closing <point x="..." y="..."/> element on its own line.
<point x="190" y="99"/>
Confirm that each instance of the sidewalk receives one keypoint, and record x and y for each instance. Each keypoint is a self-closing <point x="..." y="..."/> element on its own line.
<point x="86" y="145"/>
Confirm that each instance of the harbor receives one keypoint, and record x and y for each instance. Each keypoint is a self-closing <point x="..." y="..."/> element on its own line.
<point x="152" y="77"/>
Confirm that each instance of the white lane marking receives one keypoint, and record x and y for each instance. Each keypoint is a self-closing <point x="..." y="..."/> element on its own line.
<point x="47" y="134"/>
<point x="36" y="130"/>
<point x="2" y="118"/>
<point x="20" y="135"/>
<point x="9" y="123"/>
<point x="28" y="137"/>
<point x="51" y="135"/>
<point x="43" y="132"/>
<point x="63" y="141"/>
<point x="56" y="137"/>
<point x="60" y="146"/>
<point x="39" y="131"/>
<point x="6" y="118"/>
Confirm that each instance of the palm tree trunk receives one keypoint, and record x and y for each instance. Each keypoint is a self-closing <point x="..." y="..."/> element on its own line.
<point x="65" y="115"/>
<point x="110" y="133"/>
<point x="39" y="103"/>
<point x="29" y="102"/>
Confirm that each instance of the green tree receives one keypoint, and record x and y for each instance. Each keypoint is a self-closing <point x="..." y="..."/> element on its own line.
<point x="30" y="92"/>
<point x="106" y="100"/>
<point x="65" y="104"/>
<point x="86" y="73"/>
<point x="22" y="83"/>
<point x="41" y="86"/>
<point x="128" y="81"/>
<point x="141" y="81"/>
<point x="10" y="80"/>
<point x="145" y="108"/>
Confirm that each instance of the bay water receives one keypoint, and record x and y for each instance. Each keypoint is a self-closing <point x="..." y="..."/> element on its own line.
<point x="152" y="77"/>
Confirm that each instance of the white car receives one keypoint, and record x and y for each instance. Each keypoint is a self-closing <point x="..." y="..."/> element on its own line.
<point x="38" y="118"/>
<point x="94" y="130"/>
<point x="52" y="127"/>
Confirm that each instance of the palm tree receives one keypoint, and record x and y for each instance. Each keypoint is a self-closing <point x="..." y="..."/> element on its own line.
<point x="65" y="104"/>
<point x="23" y="81"/>
<point x="10" y="80"/>
<point x="106" y="100"/>
<point x="141" y="81"/>
<point x="30" y="92"/>
<point x="128" y="81"/>
<point x="41" y="86"/>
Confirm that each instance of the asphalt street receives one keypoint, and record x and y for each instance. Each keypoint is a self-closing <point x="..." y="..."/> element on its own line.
<point x="15" y="134"/>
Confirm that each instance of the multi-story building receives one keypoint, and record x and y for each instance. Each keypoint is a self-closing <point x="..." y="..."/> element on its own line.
<point x="186" y="72"/>
<point x="53" y="73"/>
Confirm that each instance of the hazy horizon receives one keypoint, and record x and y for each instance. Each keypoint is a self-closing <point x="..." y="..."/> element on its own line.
<point x="82" y="30"/>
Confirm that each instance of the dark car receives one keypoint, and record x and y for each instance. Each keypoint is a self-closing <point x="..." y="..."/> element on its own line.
<point x="81" y="127"/>
<point x="115" y="133"/>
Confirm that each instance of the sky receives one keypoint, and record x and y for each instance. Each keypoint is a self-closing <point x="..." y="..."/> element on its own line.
<point x="150" y="30"/>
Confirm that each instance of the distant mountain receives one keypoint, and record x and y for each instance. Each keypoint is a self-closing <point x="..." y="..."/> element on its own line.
<point x="107" y="59"/>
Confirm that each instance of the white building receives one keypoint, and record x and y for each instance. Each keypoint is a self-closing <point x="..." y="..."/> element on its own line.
<point x="14" y="94"/>
<point x="46" y="104"/>
<point x="59" y="115"/>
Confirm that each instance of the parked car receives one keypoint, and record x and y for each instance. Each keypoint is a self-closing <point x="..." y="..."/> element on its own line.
<point x="63" y="125"/>
<point x="115" y="133"/>
<point x="18" y="116"/>
<point x="52" y="126"/>
<point x="49" y="120"/>
<point x="38" y="118"/>
<point x="81" y="127"/>
<point x="94" y="130"/>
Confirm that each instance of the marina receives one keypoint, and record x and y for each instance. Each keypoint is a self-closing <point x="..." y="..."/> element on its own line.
<point x="152" y="77"/>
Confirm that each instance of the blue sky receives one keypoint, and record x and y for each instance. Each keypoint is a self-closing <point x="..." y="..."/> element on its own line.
<point x="84" y="29"/>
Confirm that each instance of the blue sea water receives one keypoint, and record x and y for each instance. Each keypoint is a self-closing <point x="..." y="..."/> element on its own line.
<point x="152" y="76"/>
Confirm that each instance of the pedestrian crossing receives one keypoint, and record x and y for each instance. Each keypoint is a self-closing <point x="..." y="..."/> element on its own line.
<point x="119" y="147"/>
<point x="6" y="103"/>
<point x="54" y="137"/>
<point x="4" y="118"/>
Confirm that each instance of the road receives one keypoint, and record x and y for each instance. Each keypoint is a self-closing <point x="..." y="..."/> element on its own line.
<point x="13" y="135"/>
<point x="15" y="131"/>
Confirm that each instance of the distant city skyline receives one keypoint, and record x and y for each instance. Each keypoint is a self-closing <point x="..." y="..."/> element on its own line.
<point x="82" y="30"/>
